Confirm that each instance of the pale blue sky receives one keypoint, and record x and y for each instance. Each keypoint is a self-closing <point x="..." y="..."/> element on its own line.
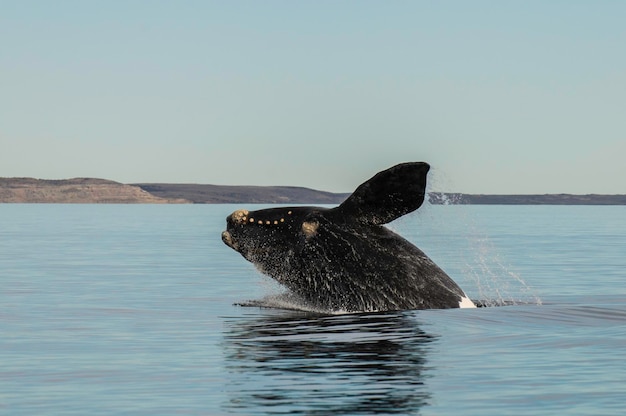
<point x="499" y="96"/>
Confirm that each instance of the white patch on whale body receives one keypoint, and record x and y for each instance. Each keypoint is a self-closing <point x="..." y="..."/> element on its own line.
<point x="466" y="303"/>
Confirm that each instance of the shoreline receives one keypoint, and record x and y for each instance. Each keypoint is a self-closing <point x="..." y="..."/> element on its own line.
<point x="102" y="191"/>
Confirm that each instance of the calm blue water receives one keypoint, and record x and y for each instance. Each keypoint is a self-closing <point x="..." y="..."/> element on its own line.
<point x="129" y="309"/>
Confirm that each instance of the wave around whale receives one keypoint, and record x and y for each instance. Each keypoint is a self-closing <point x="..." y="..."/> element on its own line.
<point x="290" y="302"/>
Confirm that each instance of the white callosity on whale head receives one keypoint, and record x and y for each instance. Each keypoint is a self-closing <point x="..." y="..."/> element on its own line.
<point x="466" y="303"/>
<point x="240" y="216"/>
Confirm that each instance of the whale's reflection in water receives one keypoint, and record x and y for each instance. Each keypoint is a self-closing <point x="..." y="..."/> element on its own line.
<point x="295" y="363"/>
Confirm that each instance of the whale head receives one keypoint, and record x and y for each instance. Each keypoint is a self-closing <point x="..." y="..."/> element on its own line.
<point x="343" y="258"/>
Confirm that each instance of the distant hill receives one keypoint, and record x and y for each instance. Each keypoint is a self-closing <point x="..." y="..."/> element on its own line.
<point x="77" y="190"/>
<point x="90" y="191"/>
<point x="218" y="194"/>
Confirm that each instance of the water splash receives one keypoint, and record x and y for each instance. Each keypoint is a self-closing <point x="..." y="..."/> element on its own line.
<point x="287" y="301"/>
<point x="494" y="281"/>
<point x="278" y="297"/>
<point x="439" y="180"/>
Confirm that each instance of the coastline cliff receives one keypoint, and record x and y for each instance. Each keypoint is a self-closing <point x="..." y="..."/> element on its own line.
<point x="76" y="190"/>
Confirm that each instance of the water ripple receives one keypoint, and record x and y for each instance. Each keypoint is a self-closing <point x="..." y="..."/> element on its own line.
<point x="348" y="364"/>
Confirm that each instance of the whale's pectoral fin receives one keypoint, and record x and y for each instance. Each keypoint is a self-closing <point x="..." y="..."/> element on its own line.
<point x="390" y="194"/>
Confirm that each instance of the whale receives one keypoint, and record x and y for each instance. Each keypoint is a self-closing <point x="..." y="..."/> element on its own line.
<point x="344" y="258"/>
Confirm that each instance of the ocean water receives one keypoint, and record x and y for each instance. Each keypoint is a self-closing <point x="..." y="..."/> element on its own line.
<point x="131" y="309"/>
